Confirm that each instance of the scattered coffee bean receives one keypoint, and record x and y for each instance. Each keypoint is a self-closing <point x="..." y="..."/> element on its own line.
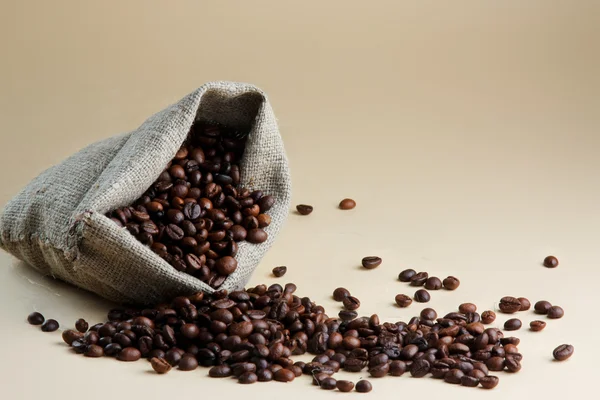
<point x="304" y="209"/>
<point x="489" y="382"/>
<point x="525" y="304"/>
<point x="509" y="305"/>
<point x="70" y="335"/>
<point x="555" y="312"/>
<point x="328" y="383"/>
<point x="537" y="325"/>
<point x="81" y="325"/>
<point x="363" y="386"/>
<point x="94" y="351"/>
<point x="160" y="366"/>
<point x="550" y="262"/>
<point x="406" y="275"/>
<point x="248" y="378"/>
<point x="351" y="303"/>
<point x="403" y="300"/>
<point x="347" y="204"/>
<point x="129" y="354"/>
<point x="563" y="352"/>
<point x="433" y="283"/>
<point x="466" y="308"/>
<point x="419" y="279"/>
<point x="451" y="283"/>
<point x="512" y="324"/>
<point x="35" y="318"/>
<point x="371" y="262"/>
<point x="340" y="294"/>
<point x="279" y="271"/>
<point x="419" y="368"/>
<point x="50" y="325"/>
<point x="542" y="307"/>
<point x="284" y="375"/>
<point x="345" y="386"/>
<point x="428" y="314"/>
<point x="487" y="317"/>
<point x="422" y="296"/>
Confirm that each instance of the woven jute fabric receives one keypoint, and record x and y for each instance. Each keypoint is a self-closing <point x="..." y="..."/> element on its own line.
<point x="57" y="223"/>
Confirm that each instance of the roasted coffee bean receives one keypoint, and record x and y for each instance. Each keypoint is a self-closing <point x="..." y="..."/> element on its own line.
<point x="226" y="265"/>
<point x="70" y="335"/>
<point x="422" y="296"/>
<point x="159" y="365"/>
<point x="550" y="262"/>
<point x="469" y="381"/>
<point x="304" y="209"/>
<point x="451" y="283"/>
<point x="129" y="354"/>
<point x="94" y="351"/>
<point x="347" y="204"/>
<point x="264" y="375"/>
<point x="495" y="363"/>
<point x="555" y="312"/>
<point x="428" y="314"/>
<point x="188" y="363"/>
<point x="112" y="349"/>
<point x="340" y="294"/>
<point x="403" y="300"/>
<point x="279" y="271"/>
<point x="512" y="364"/>
<point x="35" y="318"/>
<point x="489" y="382"/>
<point x="344" y="386"/>
<point x="509" y="305"/>
<point x="347" y="315"/>
<point x="419" y="279"/>
<point x="371" y="262"/>
<point x="467" y="308"/>
<point x="379" y="370"/>
<point x="512" y="324"/>
<point x="248" y="378"/>
<point x="328" y="383"/>
<point x="563" y="352"/>
<point x="537" y="325"/>
<point x="433" y="283"/>
<point x="256" y="236"/>
<point x="406" y="275"/>
<point x="50" y="325"/>
<point x="419" y="368"/>
<point x="397" y="368"/>
<point x="487" y="317"/>
<point x="284" y="375"/>
<point x="525" y="304"/>
<point x="351" y="303"/>
<point x="363" y="386"/>
<point x="542" y="307"/>
<point x="81" y="325"/>
<point x="454" y="376"/>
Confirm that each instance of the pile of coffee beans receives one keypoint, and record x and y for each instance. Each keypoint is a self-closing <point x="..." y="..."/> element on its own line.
<point x="417" y="279"/>
<point x="195" y="213"/>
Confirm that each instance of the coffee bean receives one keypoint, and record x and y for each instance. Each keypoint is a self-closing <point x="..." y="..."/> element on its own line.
<point x="489" y="382"/>
<point x="256" y="236"/>
<point x="50" y="325"/>
<point x="451" y="283"/>
<point x="422" y="296"/>
<point x="419" y="279"/>
<point x="419" y="368"/>
<point x="467" y="308"/>
<point x="284" y="375"/>
<point x="397" y="368"/>
<point x="159" y="365"/>
<point x="525" y="304"/>
<point x="347" y="204"/>
<point x="487" y="317"/>
<point x="454" y="376"/>
<point x="542" y="307"/>
<point x="188" y="363"/>
<point x="174" y="232"/>
<point x="550" y="262"/>
<point x="81" y="325"/>
<point x="129" y="354"/>
<point x="406" y="275"/>
<point x="351" y="303"/>
<point x="537" y="325"/>
<point x="248" y="378"/>
<point x="495" y="363"/>
<point x="403" y="300"/>
<point x="346" y="315"/>
<point x="344" y="386"/>
<point x="371" y="262"/>
<point x="226" y="265"/>
<point x="509" y="305"/>
<point x="563" y="352"/>
<point x="428" y="314"/>
<point x="512" y="324"/>
<point x="279" y="271"/>
<point x="469" y="381"/>
<point x="328" y="383"/>
<point x="363" y="386"/>
<point x="340" y="294"/>
<point x="380" y="370"/>
<point x="70" y="335"/>
<point x="555" y="312"/>
<point x="433" y="283"/>
<point x="35" y="318"/>
<point x="304" y="209"/>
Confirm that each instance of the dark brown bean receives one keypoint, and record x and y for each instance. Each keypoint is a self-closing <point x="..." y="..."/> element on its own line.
<point x="363" y="386"/>
<point x="406" y="275"/>
<point x="159" y="365"/>
<point x="550" y="262"/>
<point x="433" y="283"/>
<point x="304" y="209"/>
<point x="509" y="305"/>
<point x="537" y="325"/>
<point x="525" y="304"/>
<point x="451" y="283"/>
<point x="487" y="317"/>
<point x="347" y="204"/>
<point x="542" y="307"/>
<point x="371" y="262"/>
<point x="278" y="272"/>
<point x="555" y="312"/>
<point x="403" y="300"/>
<point x="345" y="386"/>
<point x="563" y="352"/>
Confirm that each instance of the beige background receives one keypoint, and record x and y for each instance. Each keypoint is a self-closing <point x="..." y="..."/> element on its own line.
<point x="468" y="133"/>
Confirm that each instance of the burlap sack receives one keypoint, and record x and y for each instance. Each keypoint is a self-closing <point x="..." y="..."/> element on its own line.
<point x="57" y="223"/>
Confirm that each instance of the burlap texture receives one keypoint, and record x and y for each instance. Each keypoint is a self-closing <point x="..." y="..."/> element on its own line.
<point x="57" y="223"/>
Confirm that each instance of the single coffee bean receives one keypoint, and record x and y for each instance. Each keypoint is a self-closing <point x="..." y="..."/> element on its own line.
<point x="371" y="262"/>
<point x="550" y="262"/>
<point x="188" y="363"/>
<point x="344" y="386"/>
<point x="563" y="352"/>
<point x="347" y="204"/>
<point x="487" y="317"/>
<point x="406" y="275"/>
<point x="112" y="349"/>
<point x="428" y="314"/>
<point x="422" y="296"/>
<point x="451" y="283"/>
<point x="50" y="325"/>
<point x="248" y="378"/>
<point x="555" y="312"/>
<point x="81" y="325"/>
<point x="340" y="294"/>
<point x="509" y="305"/>
<point x="226" y="265"/>
<point x="419" y="368"/>
<point x="433" y="283"/>
<point x="70" y="335"/>
<point x="129" y="354"/>
<point x="542" y="307"/>
<point x="159" y="365"/>
<point x="454" y="376"/>
<point x="403" y="300"/>
<point x="256" y="236"/>
<point x="379" y="371"/>
<point x="351" y="303"/>
<point x="495" y="363"/>
<point x="397" y="368"/>
<point x="279" y="271"/>
<point x="94" y="351"/>
<point x="304" y="209"/>
<point x="525" y="304"/>
<point x="467" y="308"/>
<point x="284" y="375"/>
<point x="489" y="382"/>
<point x="363" y="386"/>
<point x="35" y="318"/>
<point x="346" y="315"/>
<point x="419" y="279"/>
<point x="537" y="325"/>
<point x="469" y="381"/>
<point x="220" y="371"/>
<point x="328" y="383"/>
<point x="512" y="364"/>
<point x="512" y="324"/>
